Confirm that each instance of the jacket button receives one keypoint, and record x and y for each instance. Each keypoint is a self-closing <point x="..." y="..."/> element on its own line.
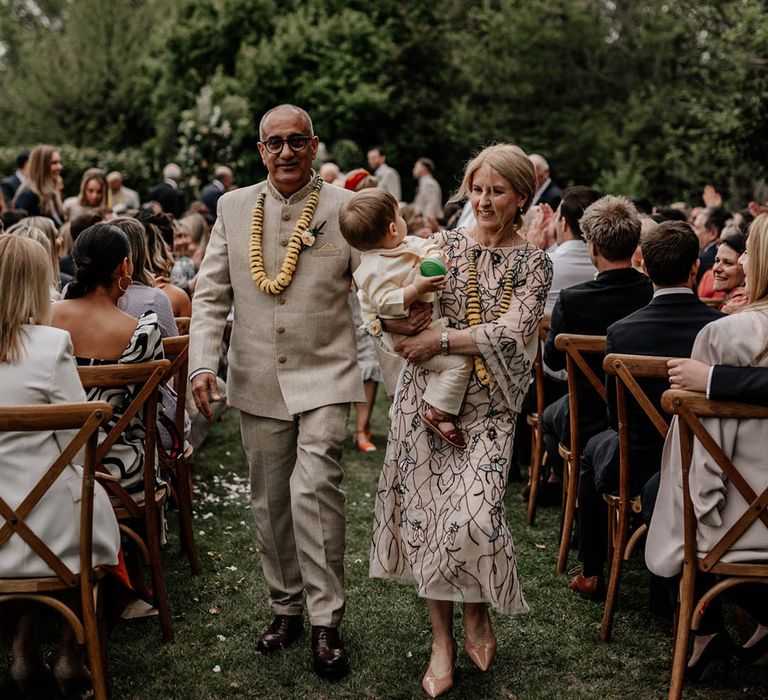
<point x="286" y="216"/>
<point x="281" y="301"/>
<point x="281" y="359"/>
<point x="283" y="241"/>
<point x="280" y="329"/>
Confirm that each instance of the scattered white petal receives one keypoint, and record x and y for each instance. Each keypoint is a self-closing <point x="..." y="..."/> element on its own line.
<point x="409" y="654"/>
<point x="242" y="522"/>
<point x="217" y="668"/>
<point x="222" y="638"/>
<point x="358" y="561"/>
<point x="231" y="568"/>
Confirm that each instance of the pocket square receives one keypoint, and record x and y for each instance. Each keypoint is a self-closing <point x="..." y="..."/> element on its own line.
<point x="326" y="247"/>
<point x="326" y="250"/>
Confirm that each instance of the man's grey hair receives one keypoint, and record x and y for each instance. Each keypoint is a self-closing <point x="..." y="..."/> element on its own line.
<point x="539" y="162"/>
<point x="172" y="172"/>
<point x="289" y="108"/>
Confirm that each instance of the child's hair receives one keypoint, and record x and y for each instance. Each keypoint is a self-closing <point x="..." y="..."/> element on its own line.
<point x="365" y="218"/>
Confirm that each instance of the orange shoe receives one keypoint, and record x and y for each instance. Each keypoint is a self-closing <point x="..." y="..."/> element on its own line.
<point x="363" y="442"/>
<point x="435" y="686"/>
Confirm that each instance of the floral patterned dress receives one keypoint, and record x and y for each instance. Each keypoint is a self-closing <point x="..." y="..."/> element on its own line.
<point x="439" y="514"/>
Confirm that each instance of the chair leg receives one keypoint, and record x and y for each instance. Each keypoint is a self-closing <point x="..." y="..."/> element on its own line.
<point x="685" y="612"/>
<point x="158" y="575"/>
<point x="535" y="474"/>
<point x="93" y="644"/>
<point x="568" y="516"/>
<point x="618" y="540"/>
<point x="186" y="532"/>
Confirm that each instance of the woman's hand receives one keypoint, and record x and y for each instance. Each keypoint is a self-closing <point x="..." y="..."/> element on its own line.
<point x="419" y="348"/>
<point x="691" y="375"/>
<point x="419" y="318"/>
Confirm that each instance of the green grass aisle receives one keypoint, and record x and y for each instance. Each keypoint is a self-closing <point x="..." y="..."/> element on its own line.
<point x="552" y="652"/>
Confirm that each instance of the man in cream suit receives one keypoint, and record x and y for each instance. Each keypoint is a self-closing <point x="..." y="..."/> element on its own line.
<point x="388" y="177"/>
<point x="292" y="373"/>
<point x="429" y="196"/>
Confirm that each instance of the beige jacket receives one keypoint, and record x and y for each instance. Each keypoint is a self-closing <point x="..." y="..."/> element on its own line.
<point x="288" y="353"/>
<point x="733" y="340"/>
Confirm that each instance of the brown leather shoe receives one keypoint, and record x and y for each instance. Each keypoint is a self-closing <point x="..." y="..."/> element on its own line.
<point x="329" y="658"/>
<point x="284" y="631"/>
<point x="591" y="588"/>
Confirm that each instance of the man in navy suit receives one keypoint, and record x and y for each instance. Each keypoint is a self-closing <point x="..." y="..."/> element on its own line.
<point x="222" y="181"/>
<point x="547" y="192"/>
<point x="667" y="326"/>
<point x="167" y="194"/>
<point x="708" y="225"/>
<point x="11" y="184"/>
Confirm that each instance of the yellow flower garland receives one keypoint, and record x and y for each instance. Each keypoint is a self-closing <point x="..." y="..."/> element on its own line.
<point x="474" y="310"/>
<point x="288" y="267"/>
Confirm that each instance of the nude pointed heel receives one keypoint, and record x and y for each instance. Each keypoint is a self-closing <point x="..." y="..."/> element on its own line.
<point x="482" y="652"/>
<point x="434" y="685"/>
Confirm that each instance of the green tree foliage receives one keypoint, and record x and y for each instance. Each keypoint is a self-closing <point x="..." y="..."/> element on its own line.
<point x="650" y="98"/>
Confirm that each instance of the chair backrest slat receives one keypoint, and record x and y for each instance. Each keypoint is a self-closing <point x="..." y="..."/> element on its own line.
<point x="574" y="345"/>
<point x="689" y="407"/>
<point x="86" y="417"/>
<point x="182" y="324"/>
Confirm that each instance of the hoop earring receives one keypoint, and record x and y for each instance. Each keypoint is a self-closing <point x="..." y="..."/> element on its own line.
<point x="128" y="284"/>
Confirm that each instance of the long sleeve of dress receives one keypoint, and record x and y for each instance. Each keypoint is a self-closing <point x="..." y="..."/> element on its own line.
<point x="508" y="344"/>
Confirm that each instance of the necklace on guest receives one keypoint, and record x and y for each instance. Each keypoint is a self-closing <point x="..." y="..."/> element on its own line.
<point x="474" y="310"/>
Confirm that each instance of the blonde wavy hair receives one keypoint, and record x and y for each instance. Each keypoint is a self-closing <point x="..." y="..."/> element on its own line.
<point x="43" y="230"/>
<point x="25" y="277"/>
<point x="757" y="261"/>
<point x="512" y="163"/>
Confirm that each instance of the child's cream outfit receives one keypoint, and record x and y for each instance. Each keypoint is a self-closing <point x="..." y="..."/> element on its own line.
<point x="382" y="275"/>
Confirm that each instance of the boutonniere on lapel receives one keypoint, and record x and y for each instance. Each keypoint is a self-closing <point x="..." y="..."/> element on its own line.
<point x="302" y="237"/>
<point x="309" y="236"/>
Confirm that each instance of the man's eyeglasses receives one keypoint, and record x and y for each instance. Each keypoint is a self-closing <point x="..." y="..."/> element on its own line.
<point x="296" y="143"/>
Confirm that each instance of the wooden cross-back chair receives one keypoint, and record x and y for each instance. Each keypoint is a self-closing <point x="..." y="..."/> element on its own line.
<point x="177" y="465"/>
<point x="85" y="418"/>
<point x="534" y="421"/>
<point x="182" y="324"/>
<point x="575" y="347"/>
<point x="690" y="407"/>
<point x="144" y="512"/>
<point x="627" y="369"/>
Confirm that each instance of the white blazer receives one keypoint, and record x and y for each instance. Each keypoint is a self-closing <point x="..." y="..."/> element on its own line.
<point x="47" y="374"/>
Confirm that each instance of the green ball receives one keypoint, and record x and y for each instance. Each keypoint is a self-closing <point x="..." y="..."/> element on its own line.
<point x="432" y="267"/>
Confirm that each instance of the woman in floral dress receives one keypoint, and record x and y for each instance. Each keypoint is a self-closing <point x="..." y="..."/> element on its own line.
<point x="439" y="519"/>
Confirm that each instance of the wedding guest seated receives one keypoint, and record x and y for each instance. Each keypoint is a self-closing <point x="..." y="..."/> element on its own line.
<point x="9" y="217"/>
<point x="37" y="367"/>
<point x="740" y="339"/>
<point x="103" y="269"/>
<point x="728" y="273"/>
<point x="184" y="271"/>
<point x="43" y="230"/>
<point x="199" y="231"/>
<point x="39" y="193"/>
<point x="92" y="196"/>
<point x="142" y="295"/>
<point x="160" y="259"/>
<point x="667" y="326"/>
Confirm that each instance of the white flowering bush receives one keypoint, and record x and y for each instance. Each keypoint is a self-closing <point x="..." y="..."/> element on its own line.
<point x="209" y="135"/>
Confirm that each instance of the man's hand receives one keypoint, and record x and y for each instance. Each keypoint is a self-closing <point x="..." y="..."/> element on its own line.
<point x="419" y="318"/>
<point x="711" y="197"/>
<point x="539" y="233"/>
<point x="203" y="385"/>
<point x="691" y="375"/>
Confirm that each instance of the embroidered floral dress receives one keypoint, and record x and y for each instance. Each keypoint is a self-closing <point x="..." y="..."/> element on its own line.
<point x="439" y="513"/>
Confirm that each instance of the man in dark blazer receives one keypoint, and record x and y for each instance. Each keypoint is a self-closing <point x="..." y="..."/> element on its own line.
<point x="11" y="184"/>
<point x="611" y="227"/>
<point x="222" y="181"/>
<point x="667" y="326"/>
<point x="708" y="225"/>
<point x="167" y="194"/>
<point x="547" y="192"/>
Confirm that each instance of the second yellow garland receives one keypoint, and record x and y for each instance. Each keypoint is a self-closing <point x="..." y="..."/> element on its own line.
<point x="474" y="310"/>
